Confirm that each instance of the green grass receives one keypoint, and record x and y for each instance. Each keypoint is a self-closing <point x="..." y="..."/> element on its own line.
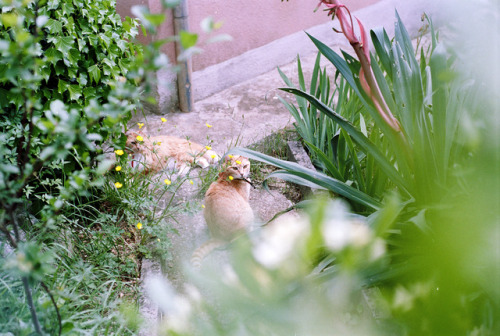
<point x="93" y="254"/>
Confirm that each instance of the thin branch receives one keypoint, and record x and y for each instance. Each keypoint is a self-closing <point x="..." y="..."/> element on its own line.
<point x="29" y="298"/>
<point x="7" y="234"/>
<point x="44" y="286"/>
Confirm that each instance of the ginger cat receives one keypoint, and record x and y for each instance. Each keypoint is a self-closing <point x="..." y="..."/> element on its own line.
<point x="155" y="153"/>
<point x="227" y="211"/>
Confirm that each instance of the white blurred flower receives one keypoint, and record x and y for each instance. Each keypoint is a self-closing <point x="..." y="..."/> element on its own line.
<point x="377" y="249"/>
<point x="278" y="240"/>
<point x="340" y="230"/>
<point x="193" y="293"/>
<point x="176" y="307"/>
<point x="229" y="276"/>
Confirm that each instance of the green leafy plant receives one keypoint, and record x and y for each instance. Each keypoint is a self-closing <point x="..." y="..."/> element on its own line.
<point x="424" y="110"/>
<point x="332" y="149"/>
<point x="397" y="156"/>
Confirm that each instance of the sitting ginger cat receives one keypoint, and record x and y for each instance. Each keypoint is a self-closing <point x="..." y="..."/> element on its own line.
<point x="155" y="153"/>
<point x="227" y="211"/>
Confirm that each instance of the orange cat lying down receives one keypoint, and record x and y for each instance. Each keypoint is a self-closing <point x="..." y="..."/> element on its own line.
<point x="155" y="153"/>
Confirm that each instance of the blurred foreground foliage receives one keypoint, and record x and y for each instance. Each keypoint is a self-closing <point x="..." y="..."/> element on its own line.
<point x="421" y="255"/>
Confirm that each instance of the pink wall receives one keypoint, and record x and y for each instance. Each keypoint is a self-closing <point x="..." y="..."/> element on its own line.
<point x="167" y="29"/>
<point x="251" y="23"/>
<point x="255" y="23"/>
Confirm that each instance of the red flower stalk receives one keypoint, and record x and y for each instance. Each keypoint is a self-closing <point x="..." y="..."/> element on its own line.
<point x="367" y="79"/>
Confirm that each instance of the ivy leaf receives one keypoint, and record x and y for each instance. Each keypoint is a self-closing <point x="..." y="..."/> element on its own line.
<point x="94" y="40"/>
<point x="188" y="39"/>
<point x="109" y="62"/>
<point x="124" y="65"/>
<point x="53" y="55"/>
<point x="61" y="86"/>
<point x="82" y="79"/>
<point x="105" y="39"/>
<point x="45" y="72"/>
<point x="68" y="9"/>
<point x="73" y="56"/>
<point x="53" y="26"/>
<point x="17" y="99"/>
<point x="94" y="73"/>
<point x="155" y="19"/>
<point x="89" y="93"/>
<point x="122" y="45"/>
<point x="75" y="92"/>
<point x="53" y="4"/>
<point x="9" y="19"/>
<point x="81" y="44"/>
<point x="64" y="44"/>
<point x="72" y="72"/>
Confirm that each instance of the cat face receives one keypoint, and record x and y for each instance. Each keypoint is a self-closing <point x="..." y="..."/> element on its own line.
<point x="237" y="166"/>
<point x="132" y="143"/>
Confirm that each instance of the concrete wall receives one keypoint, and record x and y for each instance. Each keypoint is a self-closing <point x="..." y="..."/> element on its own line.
<point x="266" y="34"/>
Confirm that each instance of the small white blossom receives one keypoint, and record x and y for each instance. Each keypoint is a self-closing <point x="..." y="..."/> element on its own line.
<point x="177" y="308"/>
<point x="278" y="240"/>
<point x="340" y="230"/>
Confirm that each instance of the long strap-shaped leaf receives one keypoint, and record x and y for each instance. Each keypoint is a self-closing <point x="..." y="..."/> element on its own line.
<point x="301" y="175"/>
<point x="365" y="143"/>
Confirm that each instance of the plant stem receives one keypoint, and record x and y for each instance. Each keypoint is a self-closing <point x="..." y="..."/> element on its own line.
<point x="29" y="298"/>
<point x="59" y="320"/>
<point x="375" y="90"/>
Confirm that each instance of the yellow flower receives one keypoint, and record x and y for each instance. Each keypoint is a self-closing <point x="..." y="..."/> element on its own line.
<point x="203" y="206"/>
<point x="191" y="181"/>
<point x="139" y="226"/>
<point x="208" y="125"/>
<point x="163" y="120"/>
<point x="139" y="138"/>
<point x="158" y="239"/>
<point x="118" y="185"/>
<point x="119" y="152"/>
<point x="213" y="156"/>
<point x="168" y="182"/>
<point x="158" y="143"/>
<point x="238" y="162"/>
<point x="208" y="147"/>
<point x="231" y="178"/>
<point x="230" y="156"/>
<point x="141" y="125"/>
<point x="118" y="168"/>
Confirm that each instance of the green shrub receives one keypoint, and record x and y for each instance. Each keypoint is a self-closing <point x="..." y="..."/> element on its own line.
<point x="63" y="93"/>
<point x="434" y="135"/>
<point x="62" y="66"/>
<point x="331" y="148"/>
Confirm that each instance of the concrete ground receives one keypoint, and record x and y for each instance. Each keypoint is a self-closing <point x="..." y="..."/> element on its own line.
<point x="241" y="115"/>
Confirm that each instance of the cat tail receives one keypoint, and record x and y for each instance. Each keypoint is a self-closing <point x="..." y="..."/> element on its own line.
<point x="201" y="252"/>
